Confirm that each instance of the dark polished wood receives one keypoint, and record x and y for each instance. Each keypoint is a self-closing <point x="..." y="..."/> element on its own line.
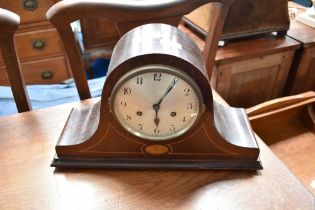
<point x="246" y="18"/>
<point x="9" y="22"/>
<point x="128" y="15"/>
<point x="221" y="138"/>
<point x="27" y="147"/>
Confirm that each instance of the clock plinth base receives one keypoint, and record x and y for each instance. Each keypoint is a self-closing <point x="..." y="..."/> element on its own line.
<point x="110" y="163"/>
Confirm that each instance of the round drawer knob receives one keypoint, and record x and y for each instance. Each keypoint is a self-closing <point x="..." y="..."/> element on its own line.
<point x="30" y="4"/>
<point x="39" y="44"/>
<point x="47" y="74"/>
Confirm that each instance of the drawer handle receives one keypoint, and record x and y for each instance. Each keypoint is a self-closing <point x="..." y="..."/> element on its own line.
<point x="30" y="4"/>
<point x="39" y="44"/>
<point x="48" y="74"/>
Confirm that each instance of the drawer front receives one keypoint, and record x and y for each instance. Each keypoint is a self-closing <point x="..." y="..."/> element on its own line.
<point x="29" y="10"/>
<point x="47" y="71"/>
<point x="38" y="44"/>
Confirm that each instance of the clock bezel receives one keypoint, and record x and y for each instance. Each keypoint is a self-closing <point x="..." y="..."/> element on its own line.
<point x="161" y="69"/>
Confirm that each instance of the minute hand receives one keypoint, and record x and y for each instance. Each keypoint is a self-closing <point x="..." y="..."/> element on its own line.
<point x="170" y="87"/>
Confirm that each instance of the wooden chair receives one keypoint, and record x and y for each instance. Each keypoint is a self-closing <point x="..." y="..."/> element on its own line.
<point x="287" y="126"/>
<point x="8" y="24"/>
<point x="129" y="14"/>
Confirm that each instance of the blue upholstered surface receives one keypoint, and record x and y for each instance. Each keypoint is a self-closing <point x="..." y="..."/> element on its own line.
<point x="42" y="96"/>
<point x="306" y="3"/>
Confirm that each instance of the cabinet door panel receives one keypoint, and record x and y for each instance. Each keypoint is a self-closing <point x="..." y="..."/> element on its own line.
<point x="99" y="32"/>
<point x="252" y="87"/>
<point x="252" y="81"/>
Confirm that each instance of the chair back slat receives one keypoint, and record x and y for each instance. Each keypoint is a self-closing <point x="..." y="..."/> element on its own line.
<point x="9" y="22"/>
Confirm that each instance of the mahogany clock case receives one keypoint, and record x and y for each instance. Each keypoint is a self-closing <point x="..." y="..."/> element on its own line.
<point x="221" y="138"/>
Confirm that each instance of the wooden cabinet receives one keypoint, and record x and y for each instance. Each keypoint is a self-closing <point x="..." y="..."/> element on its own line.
<point x="38" y="45"/>
<point x="254" y="70"/>
<point x="99" y="32"/>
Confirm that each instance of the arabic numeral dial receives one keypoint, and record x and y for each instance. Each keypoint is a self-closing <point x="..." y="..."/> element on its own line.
<point x="156" y="103"/>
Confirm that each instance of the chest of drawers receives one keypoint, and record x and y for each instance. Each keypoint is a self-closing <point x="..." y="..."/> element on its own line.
<point x="38" y="45"/>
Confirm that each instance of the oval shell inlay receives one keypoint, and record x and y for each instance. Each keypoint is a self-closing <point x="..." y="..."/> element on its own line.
<point x="156" y="149"/>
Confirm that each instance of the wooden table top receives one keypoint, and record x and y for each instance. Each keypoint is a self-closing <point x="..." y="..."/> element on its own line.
<point x="27" y="181"/>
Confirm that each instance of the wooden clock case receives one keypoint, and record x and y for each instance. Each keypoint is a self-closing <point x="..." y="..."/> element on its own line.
<point x="221" y="138"/>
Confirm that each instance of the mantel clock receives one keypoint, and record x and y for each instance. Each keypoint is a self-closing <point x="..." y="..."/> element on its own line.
<point x="157" y="111"/>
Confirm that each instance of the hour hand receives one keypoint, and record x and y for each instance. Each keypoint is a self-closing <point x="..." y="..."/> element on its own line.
<point x="156" y="107"/>
<point x="156" y="121"/>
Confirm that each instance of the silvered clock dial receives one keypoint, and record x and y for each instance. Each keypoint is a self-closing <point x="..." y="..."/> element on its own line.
<point x="156" y="102"/>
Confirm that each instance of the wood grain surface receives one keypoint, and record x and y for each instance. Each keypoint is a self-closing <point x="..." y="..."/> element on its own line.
<point x="28" y="15"/>
<point x="27" y="181"/>
<point x="24" y="41"/>
<point x="35" y="28"/>
<point x="287" y="127"/>
<point x="9" y="22"/>
<point x="33" y="70"/>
